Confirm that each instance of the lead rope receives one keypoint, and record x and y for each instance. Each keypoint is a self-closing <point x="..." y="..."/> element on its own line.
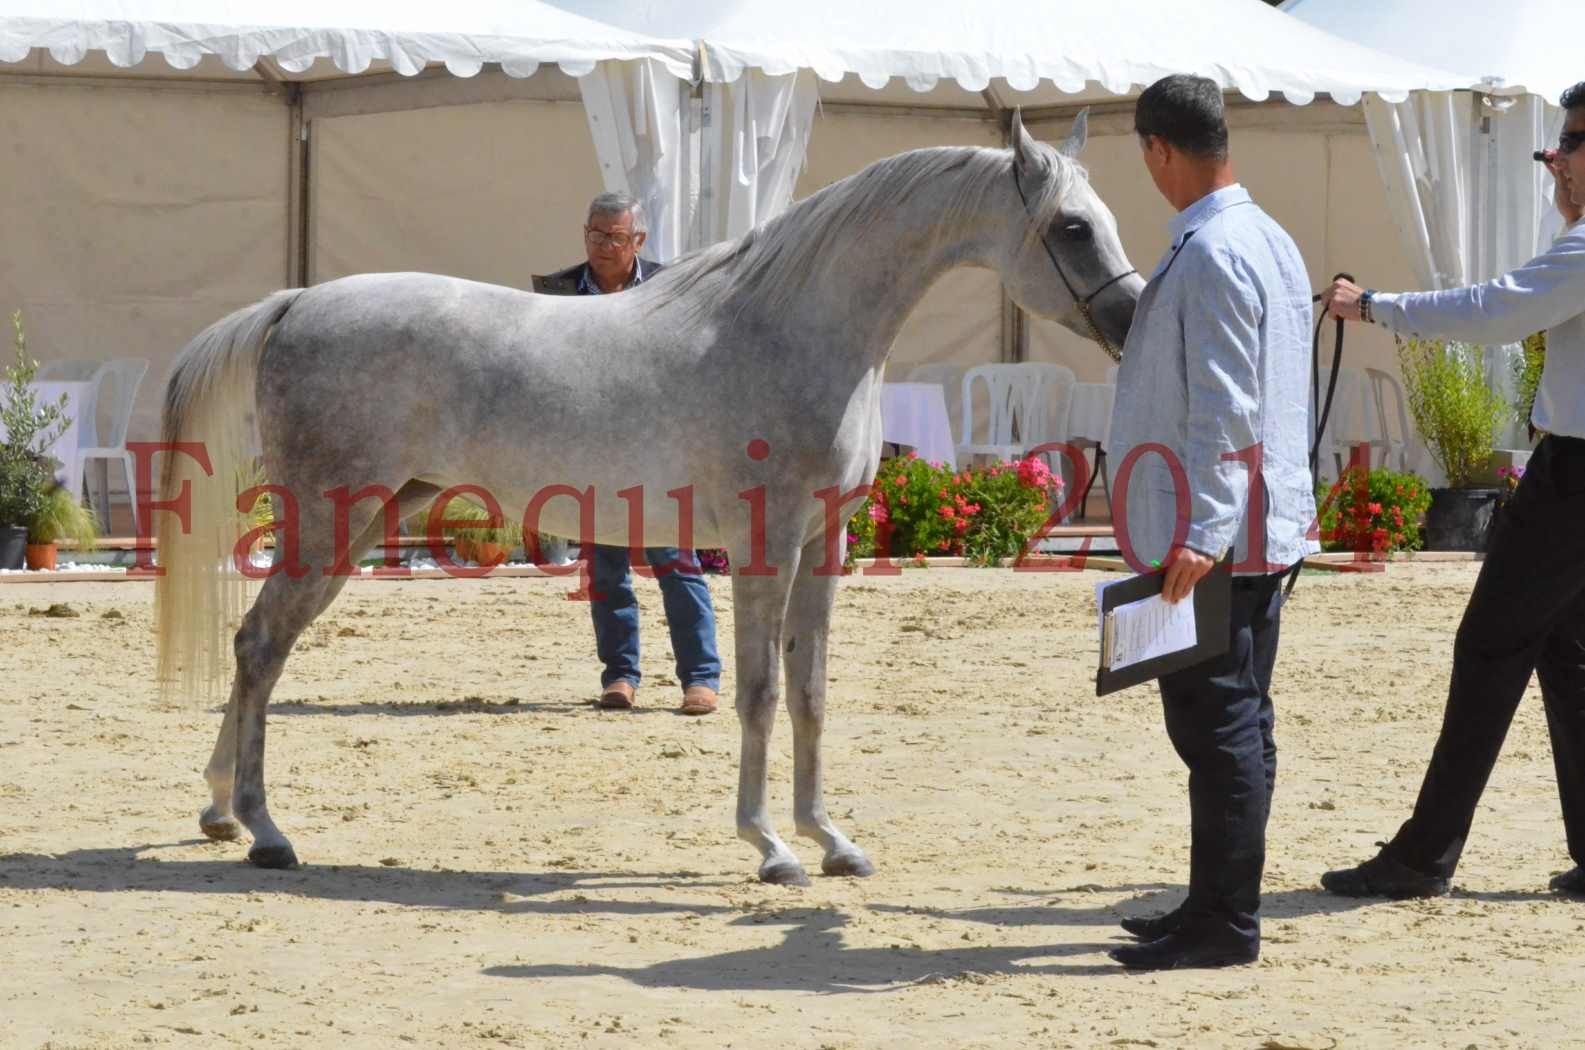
<point x="1321" y="407"/>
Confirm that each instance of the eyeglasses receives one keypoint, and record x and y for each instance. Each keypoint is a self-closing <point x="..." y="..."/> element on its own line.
<point x="1570" y="141"/>
<point x="600" y="238"/>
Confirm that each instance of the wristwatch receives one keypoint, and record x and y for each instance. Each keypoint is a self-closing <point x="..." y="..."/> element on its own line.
<point x="1366" y="299"/>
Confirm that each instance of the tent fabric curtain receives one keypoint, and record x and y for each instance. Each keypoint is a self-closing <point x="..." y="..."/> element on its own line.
<point x="704" y="169"/>
<point x="1468" y="200"/>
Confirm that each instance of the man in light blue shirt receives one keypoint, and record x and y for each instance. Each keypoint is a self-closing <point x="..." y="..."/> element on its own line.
<point x="1210" y="431"/>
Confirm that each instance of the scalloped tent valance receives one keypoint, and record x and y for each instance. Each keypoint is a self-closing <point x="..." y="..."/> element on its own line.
<point x="462" y="35"/>
<point x="1120" y="45"/>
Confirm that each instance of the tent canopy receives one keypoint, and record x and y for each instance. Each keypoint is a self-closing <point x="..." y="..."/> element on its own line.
<point x="1076" y="49"/>
<point x="1512" y="48"/>
<point x="1119" y="45"/>
<point x="406" y="36"/>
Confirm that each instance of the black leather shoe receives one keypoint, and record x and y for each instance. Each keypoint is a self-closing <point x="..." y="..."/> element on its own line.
<point x="1153" y="927"/>
<point x="1187" y="949"/>
<point x="1382" y="876"/>
<point x="1571" y="882"/>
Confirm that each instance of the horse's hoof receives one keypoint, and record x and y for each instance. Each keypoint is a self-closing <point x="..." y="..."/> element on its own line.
<point x="272" y="857"/>
<point x="784" y="873"/>
<point x="854" y="865"/>
<point x="221" y="829"/>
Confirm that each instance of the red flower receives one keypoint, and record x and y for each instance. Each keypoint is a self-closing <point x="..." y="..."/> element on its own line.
<point x="899" y="481"/>
<point x="946" y="512"/>
<point x="1374" y="508"/>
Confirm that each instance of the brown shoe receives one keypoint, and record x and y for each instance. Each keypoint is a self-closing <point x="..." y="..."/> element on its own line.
<point x="698" y="700"/>
<point x="618" y="696"/>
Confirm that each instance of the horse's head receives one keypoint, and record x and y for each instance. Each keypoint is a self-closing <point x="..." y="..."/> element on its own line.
<point x="1065" y="262"/>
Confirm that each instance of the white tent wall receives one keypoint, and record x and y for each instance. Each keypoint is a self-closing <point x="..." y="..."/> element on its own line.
<point x="493" y="192"/>
<point x="134" y="215"/>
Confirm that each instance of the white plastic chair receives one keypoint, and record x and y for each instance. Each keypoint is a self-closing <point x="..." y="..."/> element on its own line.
<point x="1028" y="406"/>
<point x="116" y="387"/>
<point x="67" y="371"/>
<point x="1381" y="386"/>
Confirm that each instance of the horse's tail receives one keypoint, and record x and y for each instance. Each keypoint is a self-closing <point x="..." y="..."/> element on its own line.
<point x="209" y="402"/>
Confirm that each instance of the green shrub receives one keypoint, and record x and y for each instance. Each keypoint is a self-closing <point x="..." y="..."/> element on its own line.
<point x="1454" y="409"/>
<point x="63" y="517"/>
<point x="30" y="428"/>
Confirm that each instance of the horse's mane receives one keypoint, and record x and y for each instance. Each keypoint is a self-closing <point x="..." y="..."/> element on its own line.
<point x="773" y="264"/>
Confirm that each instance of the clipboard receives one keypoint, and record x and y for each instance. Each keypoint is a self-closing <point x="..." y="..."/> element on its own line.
<point x="1212" y="598"/>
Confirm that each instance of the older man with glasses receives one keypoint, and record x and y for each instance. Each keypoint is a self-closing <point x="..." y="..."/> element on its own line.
<point x="1527" y="612"/>
<point x="613" y="235"/>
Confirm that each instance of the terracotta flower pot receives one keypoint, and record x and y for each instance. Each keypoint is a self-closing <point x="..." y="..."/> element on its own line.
<point x="41" y="556"/>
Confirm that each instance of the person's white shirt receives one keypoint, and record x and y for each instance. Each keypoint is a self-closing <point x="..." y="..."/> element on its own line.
<point x="1545" y="294"/>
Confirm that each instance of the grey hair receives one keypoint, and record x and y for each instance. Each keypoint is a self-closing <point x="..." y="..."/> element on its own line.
<point x="618" y="204"/>
<point x="773" y="264"/>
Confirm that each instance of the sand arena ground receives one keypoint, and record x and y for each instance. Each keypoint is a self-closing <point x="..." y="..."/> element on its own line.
<point x="489" y="862"/>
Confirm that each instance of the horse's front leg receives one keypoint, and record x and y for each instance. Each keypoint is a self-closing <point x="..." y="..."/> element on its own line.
<point x="759" y="605"/>
<point x="805" y="638"/>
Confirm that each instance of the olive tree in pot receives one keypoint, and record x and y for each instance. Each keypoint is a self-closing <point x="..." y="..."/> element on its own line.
<point x="1458" y="414"/>
<point x="29" y="429"/>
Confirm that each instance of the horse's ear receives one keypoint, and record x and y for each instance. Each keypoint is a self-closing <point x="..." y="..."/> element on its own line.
<point x="1025" y="159"/>
<point x="1078" y="136"/>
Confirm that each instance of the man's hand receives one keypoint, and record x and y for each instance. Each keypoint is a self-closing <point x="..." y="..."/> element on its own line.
<point x="1342" y="300"/>
<point x="1185" y="568"/>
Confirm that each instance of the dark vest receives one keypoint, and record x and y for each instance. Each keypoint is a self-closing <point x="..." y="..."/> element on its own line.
<point x="570" y="281"/>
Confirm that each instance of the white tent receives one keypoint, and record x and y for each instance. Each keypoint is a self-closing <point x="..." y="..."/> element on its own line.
<point x="163" y="169"/>
<point x="1468" y="200"/>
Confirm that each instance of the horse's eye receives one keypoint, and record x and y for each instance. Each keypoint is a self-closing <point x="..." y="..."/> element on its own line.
<point x="1075" y="231"/>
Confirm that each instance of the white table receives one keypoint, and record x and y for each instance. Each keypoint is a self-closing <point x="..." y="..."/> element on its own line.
<point x="915" y="414"/>
<point x="78" y="394"/>
<point x="1090" y="412"/>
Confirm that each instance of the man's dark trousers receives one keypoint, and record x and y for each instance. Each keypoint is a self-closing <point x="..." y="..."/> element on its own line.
<point x="1526" y="614"/>
<point x="1219" y="718"/>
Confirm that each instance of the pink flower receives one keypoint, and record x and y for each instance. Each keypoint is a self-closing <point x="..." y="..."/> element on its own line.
<point x="899" y="481"/>
<point x="878" y="513"/>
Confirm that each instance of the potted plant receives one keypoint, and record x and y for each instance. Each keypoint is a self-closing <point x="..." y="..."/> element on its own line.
<point x="30" y="429"/>
<point x="62" y="517"/>
<point x="1458" y="415"/>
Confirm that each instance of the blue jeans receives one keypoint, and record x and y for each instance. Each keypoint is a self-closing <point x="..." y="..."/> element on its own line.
<point x="689" y="614"/>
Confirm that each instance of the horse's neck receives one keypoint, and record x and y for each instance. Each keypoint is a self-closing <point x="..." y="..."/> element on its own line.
<point x="873" y="278"/>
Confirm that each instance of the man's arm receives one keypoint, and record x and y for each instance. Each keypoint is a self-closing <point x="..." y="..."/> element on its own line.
<point x="1543" y="293"/>
<point x="1221" y="335"/>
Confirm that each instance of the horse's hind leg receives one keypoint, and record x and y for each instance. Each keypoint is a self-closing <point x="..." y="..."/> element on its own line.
<point x="759" y="604"/>
<point x="285" y="607"/>
<point x="217" y="821"/>
<point x="804" y="640"/>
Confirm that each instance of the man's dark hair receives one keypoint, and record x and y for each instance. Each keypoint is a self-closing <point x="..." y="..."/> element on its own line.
<point x="1574" y="97"/>
<point x="1187" y="111"/>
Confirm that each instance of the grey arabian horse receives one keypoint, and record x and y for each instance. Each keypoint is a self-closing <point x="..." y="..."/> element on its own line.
<point x="742" y="381"/>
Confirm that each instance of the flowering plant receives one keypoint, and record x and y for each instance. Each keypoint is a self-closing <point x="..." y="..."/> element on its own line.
<point x="713" y="560"/>
<point x="1376" y="512"/>
<point x="923" y="508"/>
<point x="1509" y="480"/>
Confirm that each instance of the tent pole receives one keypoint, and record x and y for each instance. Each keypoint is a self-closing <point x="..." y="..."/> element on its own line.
<point x="1015" y="326"/>
<point x="298" y="197"/>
